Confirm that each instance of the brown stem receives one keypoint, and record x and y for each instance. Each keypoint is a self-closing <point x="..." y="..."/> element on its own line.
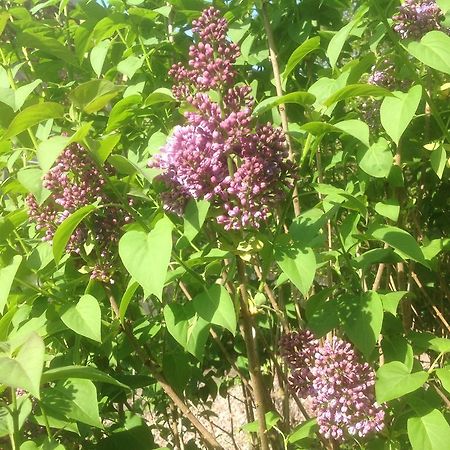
<point x="253" y="358"/>
<point x="430" y="301"/>
<point x="279" y="89"/>
<point x="378" y="276"/>
<point x="156" y="373"/>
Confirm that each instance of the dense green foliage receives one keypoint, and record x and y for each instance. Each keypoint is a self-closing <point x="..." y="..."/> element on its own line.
<point x="186" y="309"/>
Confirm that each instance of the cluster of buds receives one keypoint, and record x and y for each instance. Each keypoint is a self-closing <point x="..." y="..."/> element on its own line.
<point x="416" y="18"/>
<point x="75" y="182"/>
<point x="340" y="386"/>
<point x="219" y="155"/>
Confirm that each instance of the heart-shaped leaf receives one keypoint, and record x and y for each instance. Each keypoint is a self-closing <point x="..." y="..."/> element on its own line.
<point x="216" y="306"/>
<point x="429" y="432"/>
<point x="187" y="328"/>
<point x="84" y="318"/>
<point x="395" y="380"/>
<point x="397" y="112"/>
<point x="146" y="256"/>
<point x="25" y="370"/>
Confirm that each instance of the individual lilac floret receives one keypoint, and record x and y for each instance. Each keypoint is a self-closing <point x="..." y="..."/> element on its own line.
<point x="219" y="155"/>
<point x="416" y="18"/>
<point x="340" y="386"/>
<point x="75" y="182"/>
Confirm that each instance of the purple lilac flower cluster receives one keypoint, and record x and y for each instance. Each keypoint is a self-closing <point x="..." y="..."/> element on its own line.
<point x="383" y="74"/>
<point x="219" y="155"/>
<point x="416" y="18"/>
<point x="74" y="182"/>
<point x="341" y="387"/>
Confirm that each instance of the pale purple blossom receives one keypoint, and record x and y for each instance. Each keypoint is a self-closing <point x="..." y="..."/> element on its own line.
<point x="219" y="155"/>
<point x="74" y="182"/>
<point x="340" y="385"/>
<point x="416" y="18"/>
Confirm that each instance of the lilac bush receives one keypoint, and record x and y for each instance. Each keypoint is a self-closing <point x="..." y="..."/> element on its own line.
<point x="220" y="155"/>
<point x="340" y="386"/>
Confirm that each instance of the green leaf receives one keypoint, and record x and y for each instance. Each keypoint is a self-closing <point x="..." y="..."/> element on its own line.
<point x="438" y="159"/>
<point x="194" y="217"/>
<point x="31" y="179"/>
<point x="67" y="227"/>
<point x="130" y="66"/>
<point x="160" y="95"/>
<point x="444" y="375"/>
<point x="25" y="370"/>
<point x="299" y="97"/>
<point x="388" y="208"/>
<point x="98" y="56"/>
<point x="146" y="256"/>
<point x="299" y="53"/>
<point x="16" y="98"/>
<point x="391" y="300"/>
<point x="401" y="240"/>
<point x="397" y="112"/>
<point x="7" y="275"/>
<point x="126" y="298"/>
<point x="433" y="50"/>
<point x="322" y="313"/>
<point x="78" y="400"/>
<point x="338" y="40"/>
<point x="84" y="318"/>
<point x="122" y="111"/>
<point x="215" y="306"/>
<point x="357" y="90"/>
<point x="187" y="328"/>
<point x="355" y="128"/>
<point x="80" y="372"/>
<point x="377" y="160"/>
<point x="123" y="165"/>
<point x="299" y="265"/>
<point x="49" y="150"/>
<point x="303" y="431"/>
<point x="429" y="432"/>
<point x="31" y="116"/>
<point x="395" y="380"/>
<point x="47" y="45"/>
<point x="362" y="318"/>
<point x="337" y="43"/>
<point x="271" y="418"/>
<point x="444" y="5"/>
<point x="425" y="341"/>
<point x="93" y="95"/>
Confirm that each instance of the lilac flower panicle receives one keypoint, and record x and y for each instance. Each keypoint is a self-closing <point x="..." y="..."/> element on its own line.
<point x="416" y="18"/>
<point x="340" y="386"/>
<point x="383" y="75"/>
<point x="74" y="182"/>
<point x="218" y="155"/>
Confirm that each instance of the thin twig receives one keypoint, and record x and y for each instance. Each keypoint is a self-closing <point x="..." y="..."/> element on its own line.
<point x="279" y="89"/>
